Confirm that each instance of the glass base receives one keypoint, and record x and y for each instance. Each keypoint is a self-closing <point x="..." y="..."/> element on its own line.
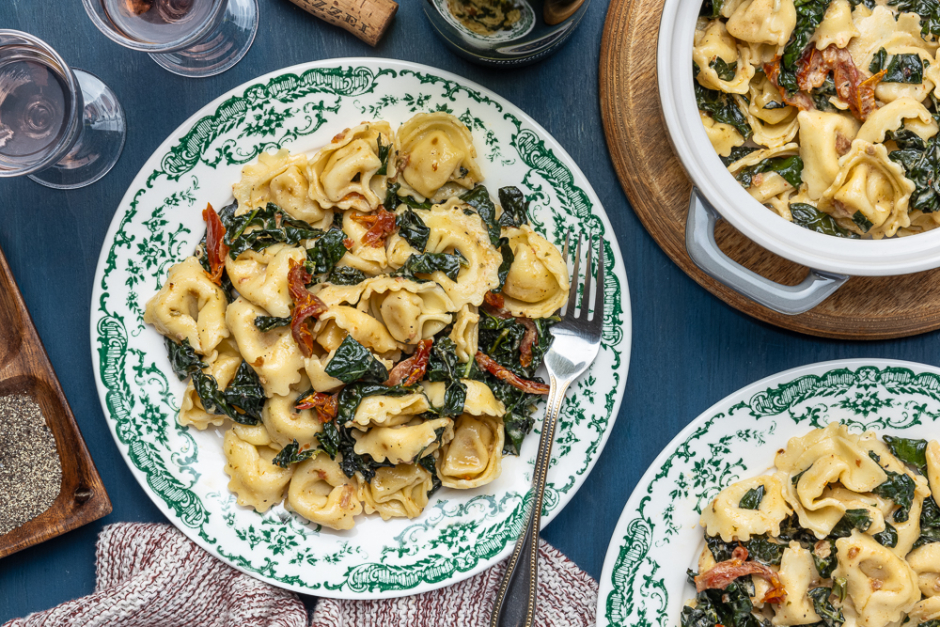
<point x="100" y="143"/>
<point x="219" y="50"/>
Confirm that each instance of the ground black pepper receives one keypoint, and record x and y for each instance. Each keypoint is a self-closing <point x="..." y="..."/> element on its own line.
<point x="30" y="469"/>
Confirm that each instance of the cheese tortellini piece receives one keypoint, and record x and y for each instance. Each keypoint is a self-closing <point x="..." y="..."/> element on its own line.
<point x="404" y="444"/>
<point x="882" y="586"/>
<point x="925" y="561"/>
<point x="837" y="28"/>
<point x="537" y="284"/>
<point x="767" y="185"/>
<point x="280" y="178"/>
<point x="274" y="355"/>
<point x="435" y="149"/>
<point x="410" y="311"/>
<point x="724" y="516"/>
<point x="824" y="138"/>
<point x="870" y="186"/>
<point x="906" y="112"/>
<point x="766" y="133"/>
<point x="474" y="455"/>
<point x="388" y="411"/>
<point x="797" y="574"/>
<point x="261" y="277"/>
<point x="321" y="493"/>
<point x="344" y="174"/>
<point x="190" y="307"/>
<point x="763" y="21"/>
<point x="255" y="480"/>
<point x="714" y="45"/>
<point x="466" y="333"/>
<point x="723" y="137"/>
<point x="397" y="492"/>
<point x="933" y="468"/>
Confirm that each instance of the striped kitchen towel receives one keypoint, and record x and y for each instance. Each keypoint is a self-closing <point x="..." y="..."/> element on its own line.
<point x="151" y="575"/>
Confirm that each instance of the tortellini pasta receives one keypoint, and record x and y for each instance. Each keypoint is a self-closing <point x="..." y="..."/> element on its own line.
<point x="473" y="457"/>
<point x="725" y="517"/>
<point x="313" y="340"/>
<point x="537" y="284"/>
<point x="856" y="93"/>
<point x="189" y="307"/>
<point x="344" y="174"/>
<point x="255" y="480"/>
<point x="869" y="189"/>
<point x="280" y="178"/>
<point x="435" y="149"/>
<point x="322" y="493"/>
<point x="857" y="565"/>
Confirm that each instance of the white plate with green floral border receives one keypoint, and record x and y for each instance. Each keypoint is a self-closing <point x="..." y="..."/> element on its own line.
<point x="158" y="223"/>
<point x="658" y="535"/>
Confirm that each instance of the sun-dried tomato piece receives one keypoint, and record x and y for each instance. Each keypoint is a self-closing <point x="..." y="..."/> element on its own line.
<point x="501" y="372"/>
<point x="799" y="100"/>
<point x="306" y="306"/>
<point x="815" y="65"/>
<point x="411" y="370"/>
<point x="216" y="249"/>
<point x="529" y="338"/>
<point x="865" y="94"/>
<point x="381" y="224"/>
<point x="494" y="300"/>
<point x="722" y="574"/>
<point x="324" y="404"/>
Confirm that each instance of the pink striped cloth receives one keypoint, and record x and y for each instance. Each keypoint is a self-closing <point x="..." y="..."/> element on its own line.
<point x="151" y="575"/>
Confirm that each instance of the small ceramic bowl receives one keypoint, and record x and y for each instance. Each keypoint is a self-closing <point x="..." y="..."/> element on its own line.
<point x="717" y="195"/>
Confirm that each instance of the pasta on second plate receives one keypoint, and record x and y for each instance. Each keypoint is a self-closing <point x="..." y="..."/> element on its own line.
<point x="826" y="111"/>
<point x="844" y="531"/>
<point x="366" y="323"/>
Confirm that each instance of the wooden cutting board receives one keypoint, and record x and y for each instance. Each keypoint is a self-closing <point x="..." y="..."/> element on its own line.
<point x="25" y="369"/>
<point x="865" y="308"/>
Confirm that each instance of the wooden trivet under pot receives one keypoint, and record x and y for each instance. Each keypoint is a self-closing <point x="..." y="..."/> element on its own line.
<point x="865" y="308"/>
<point x="25" y="369"/>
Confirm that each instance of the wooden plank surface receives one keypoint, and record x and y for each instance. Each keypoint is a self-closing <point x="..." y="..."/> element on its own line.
<point x="25" y="369"/>
<point x="871" y="308"/>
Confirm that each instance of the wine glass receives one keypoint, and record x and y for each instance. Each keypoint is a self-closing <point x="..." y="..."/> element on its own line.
<point x="194" y="38"/>
<point x="63" y="127"/>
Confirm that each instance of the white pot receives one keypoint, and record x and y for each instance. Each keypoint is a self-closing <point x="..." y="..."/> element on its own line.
<point x="832" y="258"/>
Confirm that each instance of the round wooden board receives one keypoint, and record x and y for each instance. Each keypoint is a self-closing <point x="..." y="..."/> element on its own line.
<point x="865" y="308"/>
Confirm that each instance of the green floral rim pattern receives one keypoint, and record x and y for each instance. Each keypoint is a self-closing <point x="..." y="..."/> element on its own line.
<point x="158" y="224"/>
<point x="643" y="582"/>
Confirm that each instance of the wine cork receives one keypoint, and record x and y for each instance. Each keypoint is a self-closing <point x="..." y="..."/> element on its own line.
<point x="366" y="19"/>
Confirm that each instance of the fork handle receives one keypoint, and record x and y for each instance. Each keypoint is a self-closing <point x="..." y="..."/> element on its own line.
<point x="516" y="597"/>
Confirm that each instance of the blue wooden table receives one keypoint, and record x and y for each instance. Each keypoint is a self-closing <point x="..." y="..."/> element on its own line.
<point x="689" y="349"/>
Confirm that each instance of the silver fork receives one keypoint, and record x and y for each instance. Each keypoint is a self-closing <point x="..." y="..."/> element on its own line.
<point x="575" y="346"/>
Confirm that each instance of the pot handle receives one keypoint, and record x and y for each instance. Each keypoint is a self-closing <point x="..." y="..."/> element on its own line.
<point x="786" y="299"/>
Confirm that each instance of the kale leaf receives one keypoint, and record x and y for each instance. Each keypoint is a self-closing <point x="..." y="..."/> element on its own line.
<point x="354" y="362"/>
<point x="888" y="537"/>
<point x="351" y="395"/>
<point x="823" y="93"/>
<point x="428" y="464"/>
<point x="929" y="523"/>
<point x="326" y="252"/>
<point x="515" y="207"/>
<point x="921" y="163"/>
<point x="245" y="395"/>
<point x="290" y="455"/>
<point x="790" y="168"/>
<point x="479" y="199"/>
<point x="928" y="10"/>
<point x="809" y="217"/>
<point x="752" y="498"/>
<point x="901" y="68"/>
<point x="711" y="8"/>
<point x="443" y="365"/>
<point x="384" y="150"/>
<point x="913" y="452"/>
<point x="899" y="488"/>
<point x="346" y="275"/>
<point x="337" y="440"/>
<point x="413" y="229"/>
<point x="831" y="616"/>
<point x="862" y="221"/>
<point x="825" y="561"/>
<point x="723" y="69"/>
<point x="426" y="263"/>
<point x="791" y="530"/>
<point x="269" y="323"/>
<point x="853" y="519"/>
<point x="739" y="152"/>
<point x="761" y="549"/>
<point x="183" y="358"/>
<point x="214" y="401"/>
<point x="722" y="108"/>
<point x="274" y="227"/>
<point x="508" y="257"/>
<point x="393" y="200"/>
